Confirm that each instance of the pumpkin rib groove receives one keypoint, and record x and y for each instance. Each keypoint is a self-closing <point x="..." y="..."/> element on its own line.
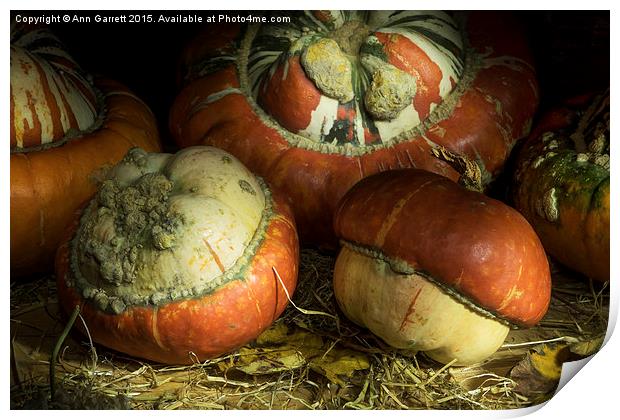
<point x="256" y="307"/>
<point x="563" y="192"/>
<point x="155" y="330"/>
<point x="39" y="199"/>
<point x="592" y="205"/>
<point x="134" y="98"/>
<point x="285" y="221"/>
<point x="119" y="134"/>
<point x="70" y="164"/>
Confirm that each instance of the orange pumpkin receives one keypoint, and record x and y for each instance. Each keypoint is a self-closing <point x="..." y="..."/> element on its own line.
<point x="562" y="184"/>
<point x="180" y="257"/>
<point x="319" y="103"/>
<point x="430" y="266"/>
<point x="66" y="129"/>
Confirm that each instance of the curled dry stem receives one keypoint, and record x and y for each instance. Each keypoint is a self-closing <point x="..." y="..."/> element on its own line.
<point x="471" y="175"/>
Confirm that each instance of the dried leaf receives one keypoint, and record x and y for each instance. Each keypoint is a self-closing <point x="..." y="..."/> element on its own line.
<point x="280" y="334"/>
<point x="268" y="360"/>
<point x="588" y="347"/>
<point x="539" y="372"/>
<point x="339" y="363"/>
<point x="274" y="334"/>
<point x="279" y="349"/>
<point x="548" y="360"/>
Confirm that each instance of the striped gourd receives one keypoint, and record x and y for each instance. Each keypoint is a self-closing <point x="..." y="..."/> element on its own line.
<point x="377" y="75"/>
<point x="51" y="97"/>
<point x="325" y="99"/>
<point x="67" y="128"/>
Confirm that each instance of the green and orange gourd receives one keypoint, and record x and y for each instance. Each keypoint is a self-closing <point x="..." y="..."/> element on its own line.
<point x="562" y="184"/>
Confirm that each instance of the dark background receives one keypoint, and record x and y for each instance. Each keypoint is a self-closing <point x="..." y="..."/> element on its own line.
<point x="571" y="51"/>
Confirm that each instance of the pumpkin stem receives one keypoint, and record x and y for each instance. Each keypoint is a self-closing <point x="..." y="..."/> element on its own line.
<point x="471" y="176"/>
<point x="599" y="107"/>
<point x="61" y="340"/>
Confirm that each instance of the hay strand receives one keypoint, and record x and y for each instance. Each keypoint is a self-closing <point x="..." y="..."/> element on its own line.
<point x="56" y="350"/>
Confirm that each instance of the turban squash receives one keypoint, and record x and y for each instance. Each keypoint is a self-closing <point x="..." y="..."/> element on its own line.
<point x="561" y="184"/>
<point x="179" y="258"/>
<point x="316" y="104"/>
<point x="65" y="129"/>
<point x="428" y="265"/>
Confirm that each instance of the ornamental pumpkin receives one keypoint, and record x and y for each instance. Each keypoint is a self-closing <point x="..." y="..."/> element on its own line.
<point x="316" y="104"/>
<point x="179" y="258"/>
<point x="65" y="129"/>
<point x="561" y="184"/>
<point x="428" y="265"/>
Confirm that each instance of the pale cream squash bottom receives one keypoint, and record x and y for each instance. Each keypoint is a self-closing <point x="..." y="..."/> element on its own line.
<point x="409" y="312"/>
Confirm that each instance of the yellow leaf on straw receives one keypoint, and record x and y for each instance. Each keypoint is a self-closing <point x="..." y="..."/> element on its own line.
<point x="539" y="372"/>
<point x="339" y="364"/>
<point x="278" y="349"/>
<point x="268" y="360"/>
<point x="274" y="334"/>
<point x="549" y="359"/>
<point x="281" y="334"/>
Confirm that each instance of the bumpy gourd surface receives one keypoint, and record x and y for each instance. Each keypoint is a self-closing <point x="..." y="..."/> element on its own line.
<point x="351" y="77"/>
<point x="319" y="102"/>
<point x="166" y="226"/>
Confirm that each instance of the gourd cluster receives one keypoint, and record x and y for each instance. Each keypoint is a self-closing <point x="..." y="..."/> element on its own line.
<point x="371" y="134"/>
